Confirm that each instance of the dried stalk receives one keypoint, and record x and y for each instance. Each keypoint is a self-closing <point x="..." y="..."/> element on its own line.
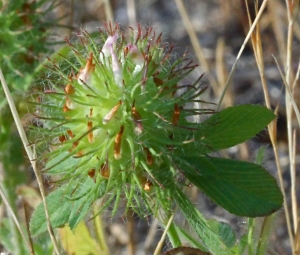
<point x="31" y="157"/>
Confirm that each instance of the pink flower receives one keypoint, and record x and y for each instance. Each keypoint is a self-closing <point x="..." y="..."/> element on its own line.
<point x="108" y="50"/>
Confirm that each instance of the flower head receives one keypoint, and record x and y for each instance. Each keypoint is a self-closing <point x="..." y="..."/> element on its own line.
<point x="119" y="123"/>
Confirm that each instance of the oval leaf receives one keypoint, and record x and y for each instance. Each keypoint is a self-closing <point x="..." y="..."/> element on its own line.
<point x="242" y="188"/>
<point x="234" y="125"/>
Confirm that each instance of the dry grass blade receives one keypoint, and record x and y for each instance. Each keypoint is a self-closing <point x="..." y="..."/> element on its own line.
<point x="108" y="12"/>
<point x="222" y="73"/>
<point x="258" y="52"/>
<point x="279" y="169"/>
<point x="297" y="238"/>
<point x="262" y="8"/>
<point x="27" y="218"/>
<point x="289" y="94"/>
<point x="30" y="155"/>
<point x="196" y="44"/>
<point x="292" y="10"/>
<point x="297" y="77"/>
<point x="293" y="186"/>
<point x="161" y="242"/>
<point x="273" y="8"/>
<point x="131" y="13"/>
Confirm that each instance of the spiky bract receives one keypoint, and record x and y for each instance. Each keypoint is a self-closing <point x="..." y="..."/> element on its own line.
<point x="114" y="112"/>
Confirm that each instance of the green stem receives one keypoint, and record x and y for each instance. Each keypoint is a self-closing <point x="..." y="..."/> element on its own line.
<point x="265" y="234"/>
<point x="173" y="236"/>
<point x="250" y="236"/>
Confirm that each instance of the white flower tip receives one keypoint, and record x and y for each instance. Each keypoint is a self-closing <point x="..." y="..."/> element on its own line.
<point x="107" y="48"/>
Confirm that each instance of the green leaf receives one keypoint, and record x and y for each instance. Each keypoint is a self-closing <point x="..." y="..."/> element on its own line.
<point x="234" y="125"/>
<point x="260" y="155"/>
<point x="59" y="209"/>
<point x="197" y="221"/>
<point x="82" y="205"/>
<point x="80" y="241"/>
<point x="189" y="239"/>
<point x="43" y="245"/>
<point x="61" y="163"/>
<point x="242" y="188"/>
<point x="241" y="246"/>
<point x="225" y="232"/>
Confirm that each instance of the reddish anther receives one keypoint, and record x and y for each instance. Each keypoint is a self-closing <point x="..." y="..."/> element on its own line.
<point x="117" y="144"/>
<point x="62" y="138"/>
<point x="147" y="185"/>
<point x="91" y="173"/>
<point x="137" y="120"/>
<point x="70" y="133"/>
<point x="111" y="113"/>
<point x="69" y="89"/>
<point x="91" y="137"/>
<point x="65" y="108"/>
<point x="104" y="170"/>
<point x="149" y="157"/>
<point x="90" y="134"/>
<point x="175" y="118"/>
<point x="158" y="82"/>
<point x="84" y="74"/>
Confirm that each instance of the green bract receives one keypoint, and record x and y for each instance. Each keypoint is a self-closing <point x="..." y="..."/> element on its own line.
<point x="114" y="115"/>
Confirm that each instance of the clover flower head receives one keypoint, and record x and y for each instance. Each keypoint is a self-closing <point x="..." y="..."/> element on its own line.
<point x="116" y="117"/>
